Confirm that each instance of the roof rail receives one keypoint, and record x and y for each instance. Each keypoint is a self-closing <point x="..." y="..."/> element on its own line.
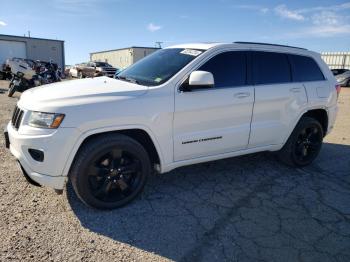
<point x="257" y="43"/>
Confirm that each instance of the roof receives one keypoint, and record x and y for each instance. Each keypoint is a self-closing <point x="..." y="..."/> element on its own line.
<point x="203" y="46"/>
<point x="131" y="47"/>
<point x="26" y="37"/>
<point x="206" y="46"/>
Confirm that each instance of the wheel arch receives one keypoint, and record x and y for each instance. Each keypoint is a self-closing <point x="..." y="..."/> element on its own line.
<point x="318" y="113"/>
<point x="140" y="134"/>
<point x="321" y="115"/>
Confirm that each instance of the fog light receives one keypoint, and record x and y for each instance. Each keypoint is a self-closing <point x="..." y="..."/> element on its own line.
<point x="36" y="154"/>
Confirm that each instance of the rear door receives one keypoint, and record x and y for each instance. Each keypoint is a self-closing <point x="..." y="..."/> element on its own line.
<point x="215" y="120"/>
<point x="305" y="70"/>
<point x="278" y="100"/>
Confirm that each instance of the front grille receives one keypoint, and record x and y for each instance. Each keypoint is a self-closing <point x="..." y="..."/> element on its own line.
<point x="17" y="117"/>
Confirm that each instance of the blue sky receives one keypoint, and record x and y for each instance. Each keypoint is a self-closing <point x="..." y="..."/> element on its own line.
<point x="95" y="25"/>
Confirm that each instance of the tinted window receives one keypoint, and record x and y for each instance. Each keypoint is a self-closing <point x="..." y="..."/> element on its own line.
<point x="160" y="66"/>
<point x="305" y="69"/>
<point x="229" y="69"/>
<point x="270" y="68"/>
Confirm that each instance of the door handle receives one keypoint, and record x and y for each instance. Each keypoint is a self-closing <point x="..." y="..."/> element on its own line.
<point x="242" y="95"/>
<point x="295" y="89"/>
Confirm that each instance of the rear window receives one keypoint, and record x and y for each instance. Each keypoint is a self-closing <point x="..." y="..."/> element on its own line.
<point x="305" y="69"/>
<point x="270" y="68"/>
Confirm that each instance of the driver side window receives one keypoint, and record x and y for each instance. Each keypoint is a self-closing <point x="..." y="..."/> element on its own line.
<point x="229" y="69"/>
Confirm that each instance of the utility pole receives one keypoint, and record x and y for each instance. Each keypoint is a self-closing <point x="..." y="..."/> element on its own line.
<point x="28" y="33"/>
<point x="158" y="44"/>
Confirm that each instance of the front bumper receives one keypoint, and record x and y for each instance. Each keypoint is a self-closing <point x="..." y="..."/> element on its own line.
<point x="54" y="144"/>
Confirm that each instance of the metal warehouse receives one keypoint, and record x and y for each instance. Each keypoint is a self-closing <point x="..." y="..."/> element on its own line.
<point x="123" y="57"/>
<point x="337" y="60"/>
<point x="31" y="48"/>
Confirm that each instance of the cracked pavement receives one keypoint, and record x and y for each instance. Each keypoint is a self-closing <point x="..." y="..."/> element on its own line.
<point x="248" y="208"/>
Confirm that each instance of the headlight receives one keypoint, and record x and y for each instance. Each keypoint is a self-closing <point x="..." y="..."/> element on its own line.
<point x="45" y="120"/>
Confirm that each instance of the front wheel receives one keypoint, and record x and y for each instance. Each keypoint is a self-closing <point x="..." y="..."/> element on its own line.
<point x="11" y="90"/>
<point x="304" y="144"/>
<point x="110" y="171"/>
<point x="80" y="75"/>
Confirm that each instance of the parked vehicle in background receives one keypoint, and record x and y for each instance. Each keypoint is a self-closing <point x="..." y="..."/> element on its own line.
<point x="117" y="72"/>
<point x="32" y="74"/>
<point x="5" y="71"/>
<point x="92" y="69"/>
<point x="339" y="71"/>
<point x="67" y="69"/>
<point x="343" y="79"/>
<point x="179" y="106"/>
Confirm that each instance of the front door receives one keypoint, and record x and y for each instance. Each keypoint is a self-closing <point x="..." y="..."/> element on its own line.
<point x="215" y="120"/>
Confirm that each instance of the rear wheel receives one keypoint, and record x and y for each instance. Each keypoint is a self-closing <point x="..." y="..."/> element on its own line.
<point x="11" y="90"/>
<point x="110" y="171"/>
<point x="304" y="144"/>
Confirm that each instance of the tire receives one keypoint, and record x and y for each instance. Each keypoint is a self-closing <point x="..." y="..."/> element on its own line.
<point x="80" y="75"/>
<point x="304" y="144"/>
<point x="12" y="90"/>
<point x="103" y="174"/>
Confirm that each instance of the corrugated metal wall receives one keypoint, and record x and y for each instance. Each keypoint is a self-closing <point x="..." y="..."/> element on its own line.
<point x="337" y="59"/>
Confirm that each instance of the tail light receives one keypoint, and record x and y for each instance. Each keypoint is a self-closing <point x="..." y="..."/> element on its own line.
<point x="338" y="88"/>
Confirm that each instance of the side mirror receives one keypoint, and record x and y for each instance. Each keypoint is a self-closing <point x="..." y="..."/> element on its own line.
<point x="198" y="80"/>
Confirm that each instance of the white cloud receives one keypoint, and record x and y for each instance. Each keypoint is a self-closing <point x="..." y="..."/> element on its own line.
<point x="2" y="23"/>
<point x="327" y="18"/>
<point x="320" y="31"/>
<point x="284" y="12"/>
<point x="76" y="7"/>
<point x="258" y="8"/>
<point x="153" y="27"/>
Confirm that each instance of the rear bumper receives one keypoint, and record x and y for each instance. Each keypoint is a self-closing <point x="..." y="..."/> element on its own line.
<point x="332" y="114"/>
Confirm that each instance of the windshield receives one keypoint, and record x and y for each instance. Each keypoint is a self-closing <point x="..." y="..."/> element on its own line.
<point x="102" y="64"/>
<point x="159" y="67"/>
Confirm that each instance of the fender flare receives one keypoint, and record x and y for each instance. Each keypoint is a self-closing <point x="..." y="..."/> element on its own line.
<point x="300" y="116"/>
<point x="84" y="135"/>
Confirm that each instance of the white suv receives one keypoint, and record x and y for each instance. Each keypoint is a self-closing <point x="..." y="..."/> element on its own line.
<point x="181" y="105"/>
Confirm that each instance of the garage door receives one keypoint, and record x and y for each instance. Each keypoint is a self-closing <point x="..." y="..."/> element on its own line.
<point x="10" y="49"/>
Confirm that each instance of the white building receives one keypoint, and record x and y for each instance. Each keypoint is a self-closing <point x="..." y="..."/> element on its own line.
<point x="337" y="60"/>
<point x="123" y="57"/>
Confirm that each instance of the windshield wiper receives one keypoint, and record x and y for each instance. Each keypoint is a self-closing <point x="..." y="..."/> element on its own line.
<point x="128" y="79"/>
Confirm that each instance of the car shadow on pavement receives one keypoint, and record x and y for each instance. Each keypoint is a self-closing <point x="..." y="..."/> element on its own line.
<point x="244" y="208"/>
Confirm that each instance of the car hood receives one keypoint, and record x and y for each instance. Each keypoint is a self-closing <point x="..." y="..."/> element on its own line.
<point x="79" y="92"/>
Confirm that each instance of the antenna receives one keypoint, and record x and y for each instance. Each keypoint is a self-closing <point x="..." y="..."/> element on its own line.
<point x="158" y="44"/>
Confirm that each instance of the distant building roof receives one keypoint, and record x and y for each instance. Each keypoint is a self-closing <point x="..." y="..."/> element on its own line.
<point x="143" y="47"/>
<point x="26" y="37"/>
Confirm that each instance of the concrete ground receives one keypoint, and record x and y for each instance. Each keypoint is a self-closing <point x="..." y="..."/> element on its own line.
<point x="249" y="208"/>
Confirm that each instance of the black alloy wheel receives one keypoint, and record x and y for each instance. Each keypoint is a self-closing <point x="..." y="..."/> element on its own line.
<point x="308" y="144"/>
<point x="114" y="175"/>
<point x="304" y="144"/>
<point x="110" y="171"/>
